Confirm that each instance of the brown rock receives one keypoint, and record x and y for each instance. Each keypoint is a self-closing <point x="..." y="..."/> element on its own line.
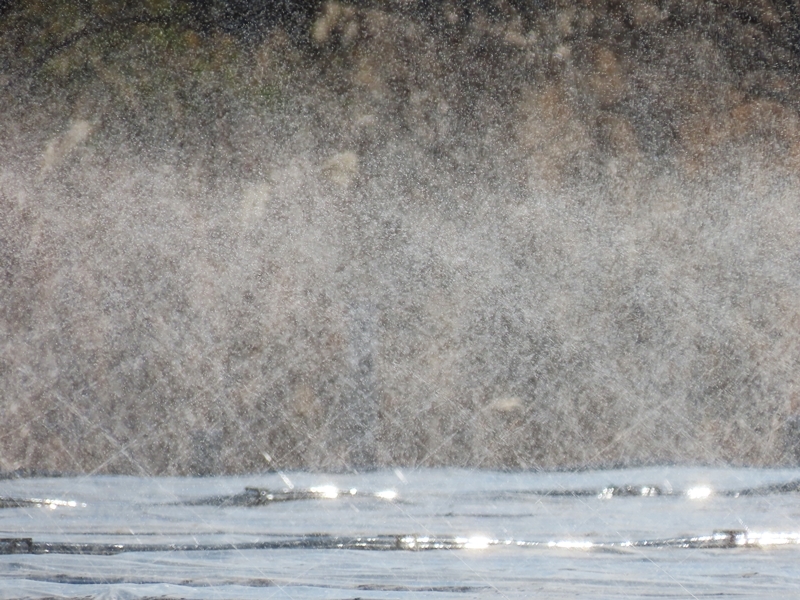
<point x="765" y="120"/>
<point x="552" y="134"/>
<point x="618" y="137"/>
<point x="607" y="80"/>
<point x="765" y="126"/>
<point x="335" y="18"/>
<point x="645" y="13"/>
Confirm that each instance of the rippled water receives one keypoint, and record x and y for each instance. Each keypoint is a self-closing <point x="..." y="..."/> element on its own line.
<point x="675" y="532"/>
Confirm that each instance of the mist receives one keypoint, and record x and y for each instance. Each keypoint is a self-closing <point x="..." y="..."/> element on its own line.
<point x="499" y="235"/>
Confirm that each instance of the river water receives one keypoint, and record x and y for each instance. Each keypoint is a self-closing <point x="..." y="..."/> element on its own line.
<point x="676" y="532"/>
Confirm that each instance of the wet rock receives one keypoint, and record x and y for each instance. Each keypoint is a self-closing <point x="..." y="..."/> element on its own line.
<point x="564" y="21"/>
<point x="607" y="81"/>
<point x="763" y="120"/>
<point x="646" y="13"/>
<point x="341" y="168"/>
<point x="507" y="404"/>
<point x="206" y="446"/>
<point x="61" y="146"/>
<point x="337" y="19"/>
<point x="791" y="439"/>
<point x="617" y="141"/>
<point x="765" y="126"/>
<point x="553" y="134"/>
<point x="255" y="198"/>
<point x="31" y="473"/>
<point x="630" y="491"/>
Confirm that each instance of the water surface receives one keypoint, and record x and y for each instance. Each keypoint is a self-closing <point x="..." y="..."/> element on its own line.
<point x="505" y="535"/>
